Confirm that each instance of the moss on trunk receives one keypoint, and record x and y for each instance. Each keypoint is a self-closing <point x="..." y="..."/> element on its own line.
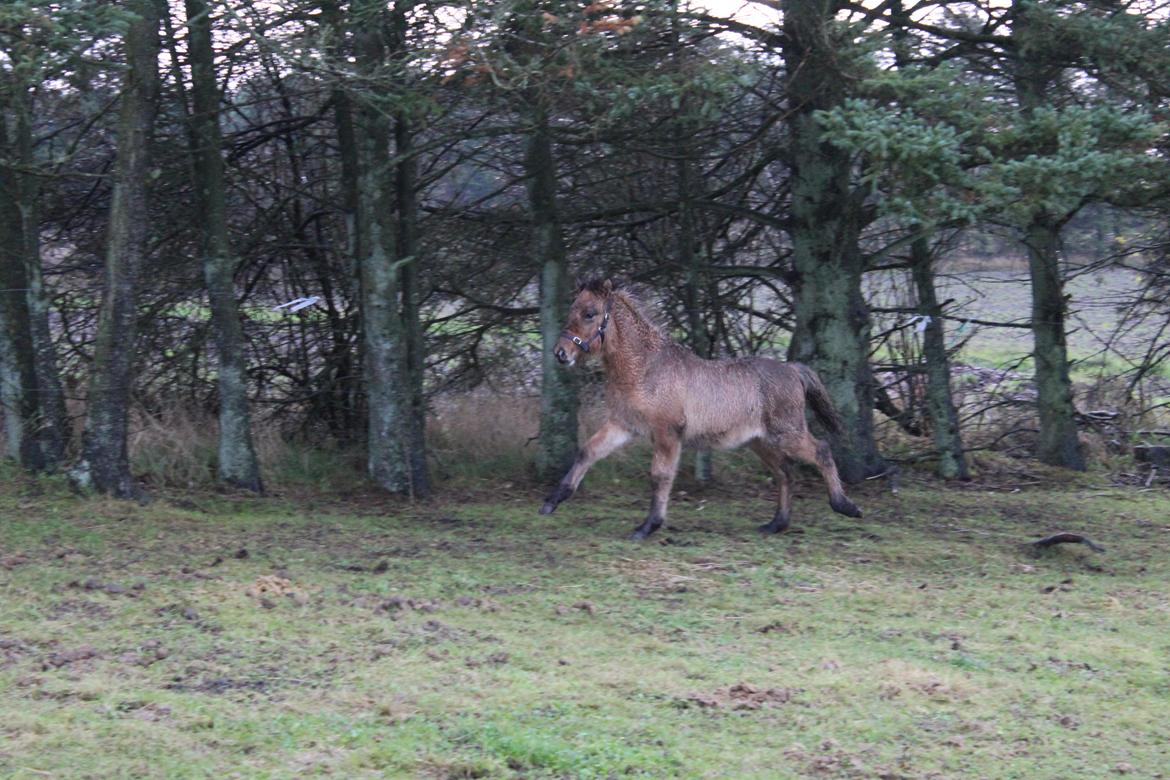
<point x="406" y="183"/>
<point x="832" y="319"/>
<point x="557" y="442"/>
<point x="940" y="406"/>
<point x="384" y="363"/>
<point x="1058" y="445"/>
<point x="236" y="464"/>
<point x="30" y="388"/>
<point x="105" y="463"/>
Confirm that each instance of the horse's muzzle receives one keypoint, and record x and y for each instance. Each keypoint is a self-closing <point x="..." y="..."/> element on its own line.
<point x="562" y="355"/>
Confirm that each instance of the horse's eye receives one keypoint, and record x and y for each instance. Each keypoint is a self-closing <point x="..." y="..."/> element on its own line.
<point x="590" y="314"/>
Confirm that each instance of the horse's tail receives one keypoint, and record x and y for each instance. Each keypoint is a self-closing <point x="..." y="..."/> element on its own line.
<point x="817" y="397"/>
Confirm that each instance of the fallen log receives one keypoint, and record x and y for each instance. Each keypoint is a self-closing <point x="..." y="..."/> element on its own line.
<point x="1064" y="537"/>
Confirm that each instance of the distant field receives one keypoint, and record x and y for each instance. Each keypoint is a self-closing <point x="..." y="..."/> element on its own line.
<point x="358" y="638"/>
<point x="1005" y="296"/>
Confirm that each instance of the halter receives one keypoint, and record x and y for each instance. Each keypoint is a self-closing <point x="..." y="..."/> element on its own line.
<point x="585" y="344"/>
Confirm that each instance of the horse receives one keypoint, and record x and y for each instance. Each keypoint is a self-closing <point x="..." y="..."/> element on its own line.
<point x="658" y="388"/>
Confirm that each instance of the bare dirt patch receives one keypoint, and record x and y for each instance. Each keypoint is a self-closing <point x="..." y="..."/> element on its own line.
<point x="66" y="657"/>
<point x="111" y="588"/>
<point x="741" y="696"/>
<point x="269" y="586"/>
<point x="151" y="652"/>
<point x="397" y="604"/>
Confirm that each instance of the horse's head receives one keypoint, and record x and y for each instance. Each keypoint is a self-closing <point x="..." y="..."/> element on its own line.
<point x="589" y="317"/>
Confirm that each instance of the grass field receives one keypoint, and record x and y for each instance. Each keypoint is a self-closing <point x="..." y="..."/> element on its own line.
<point x="205" y="636"/>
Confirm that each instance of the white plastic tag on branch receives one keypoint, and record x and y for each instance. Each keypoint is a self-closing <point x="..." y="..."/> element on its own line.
<point x="299" y="303"/>
<point x="920" y="322"/>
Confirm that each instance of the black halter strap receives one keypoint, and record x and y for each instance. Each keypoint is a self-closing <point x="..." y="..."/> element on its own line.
<point x="586" y="344"/>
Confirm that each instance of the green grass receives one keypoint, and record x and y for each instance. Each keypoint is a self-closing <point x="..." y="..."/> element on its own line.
<point x="473" y="638"/>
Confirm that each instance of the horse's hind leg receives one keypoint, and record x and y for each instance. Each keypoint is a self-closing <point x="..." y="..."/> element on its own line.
<point x="663" y="467"/>
<point x="813" y="451"/>
<point x="781" y="470"/>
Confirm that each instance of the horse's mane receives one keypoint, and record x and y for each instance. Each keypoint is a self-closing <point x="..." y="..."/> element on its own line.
<point x="648" y="318"/>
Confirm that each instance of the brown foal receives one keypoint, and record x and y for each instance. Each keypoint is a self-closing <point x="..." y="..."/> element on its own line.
<point x="657" y="388"/>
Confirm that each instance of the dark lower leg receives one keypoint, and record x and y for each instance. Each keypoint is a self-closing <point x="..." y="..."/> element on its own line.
<point x="561" y="493"/>
<point x="842" y="505"/>
<point x="783" y="516"/>
<point x="654" y="518"/>
<point x="782" y="473"/>
<point x="817" y="453"/>
<point x="662" y="471"/>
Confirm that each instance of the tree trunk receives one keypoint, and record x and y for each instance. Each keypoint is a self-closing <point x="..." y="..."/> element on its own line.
<point x="237" y="463"/>
<point x="557" y="443"/>
<point x="694" y="269"/>
<point x="1059" y="445"/>
<point x="53" y="420"/>
<point x="406" y="182"/>
<point x="30" y="386"/>
<point x="832" y="336"/>
<point x="344" y="361"/>
<point x="408" y="247"/>
<point x="105" y="462"/>
<point x="832" y="319"/>
<point x="940" y="406"/>
<point x="385" y="369"/>
<point x="18" y="380"/>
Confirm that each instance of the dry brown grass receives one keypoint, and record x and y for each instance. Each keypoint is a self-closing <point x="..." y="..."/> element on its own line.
<point x="482" y="425"/>
<point x="484" y="432"/>
<point x="473" y="434"/>
<point x="177" y="447"/>
<point x="491" y="435"/>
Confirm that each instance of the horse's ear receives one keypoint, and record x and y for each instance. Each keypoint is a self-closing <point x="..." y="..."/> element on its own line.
<point x="607" y="286"/>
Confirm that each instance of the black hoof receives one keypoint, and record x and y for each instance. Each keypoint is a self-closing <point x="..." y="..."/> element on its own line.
<point x="844" y="506"/>
<point x="555" y="498"/>
<point x="642" y="531"/>
<point x="773" y="527"/>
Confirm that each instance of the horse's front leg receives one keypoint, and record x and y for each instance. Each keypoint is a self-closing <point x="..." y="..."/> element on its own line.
<point x="608" y="438"/>
<point x="667" y="449"/>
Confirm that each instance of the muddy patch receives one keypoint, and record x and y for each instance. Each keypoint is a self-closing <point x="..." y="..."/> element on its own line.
<point x="71" y="609"/>
<point x="507" y="590"/>
<point x="12" y="561"/>
<point x="12" y="651"/>
<point x="110" y="588"/>
<point x="269" y="587"/>
<point x="473" y="602"/>
<point x="738" y="697"/>
<point x="67" y="657"/>
<point x="495" y="659"/>
<point x="396" y="605"/>
<point x="218" y="685"/>
<point x="829" y="759"/>
<point x="151" y="652"/>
